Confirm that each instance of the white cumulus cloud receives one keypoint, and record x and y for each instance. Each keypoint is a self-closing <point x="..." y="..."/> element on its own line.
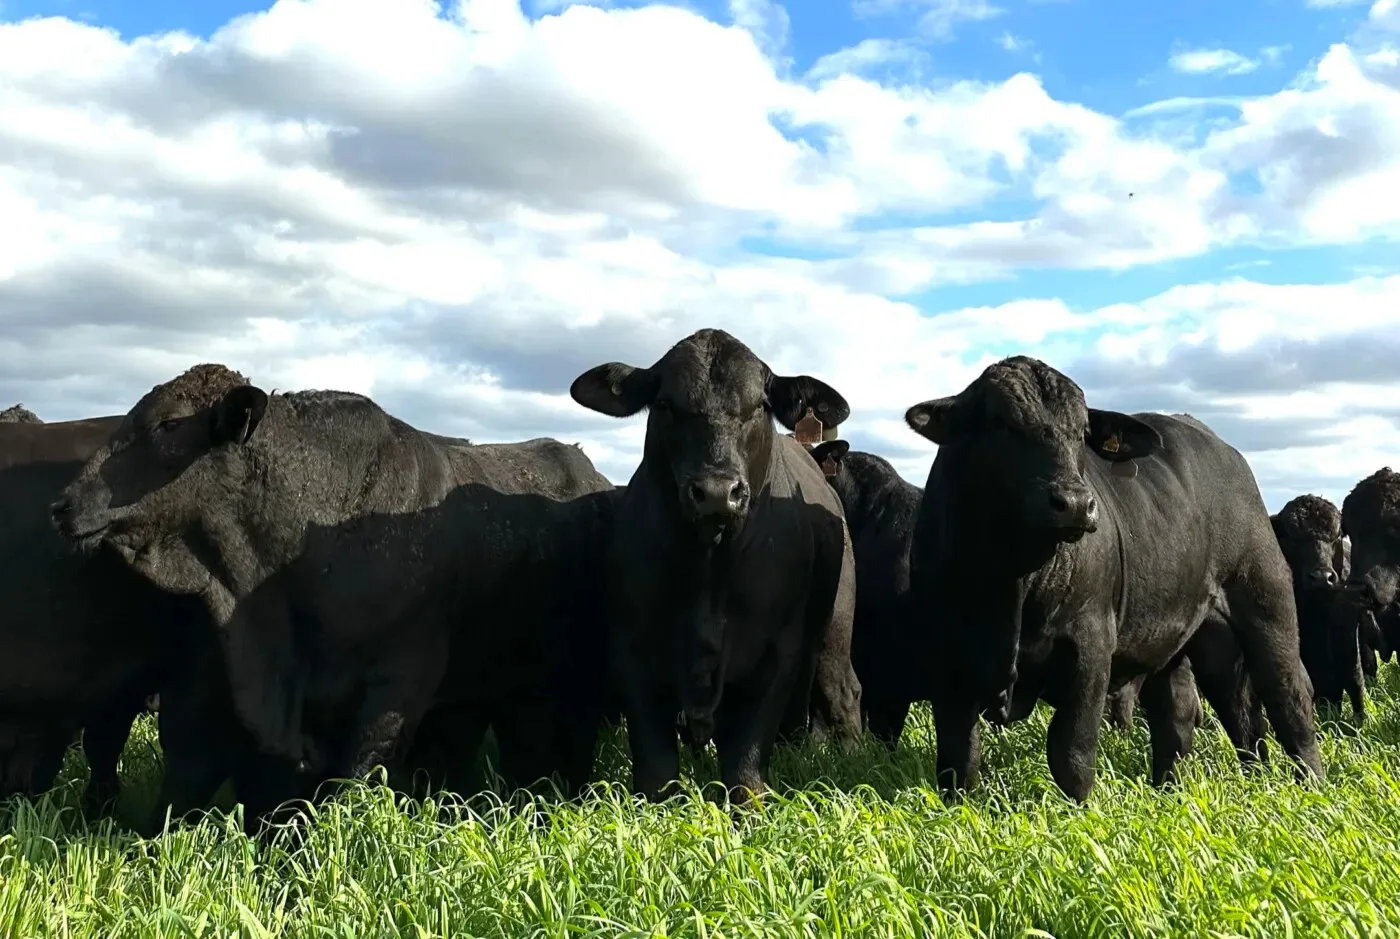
<point x="458" y="210"/>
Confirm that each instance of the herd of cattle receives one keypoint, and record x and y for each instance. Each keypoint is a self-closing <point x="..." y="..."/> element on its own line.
<point x="313" y="587"/>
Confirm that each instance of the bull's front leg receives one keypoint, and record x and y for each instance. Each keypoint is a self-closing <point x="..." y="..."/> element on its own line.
<point x="1354" y="679"/>
<point x="104" y="739"/>
<point x="200" y="738"/>
<point x="1072" y="744"/>
<point x="650" y="709"/>
<point x="748" y="727"/>
<point x="958" y="738"/>
<point x="398" y="693"/>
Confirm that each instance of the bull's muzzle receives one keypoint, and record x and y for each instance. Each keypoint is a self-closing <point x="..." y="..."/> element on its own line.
<point x="717" y="497"/>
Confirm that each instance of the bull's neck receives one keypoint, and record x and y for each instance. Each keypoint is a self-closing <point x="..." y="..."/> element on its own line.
<point x="311" y="471"/>
<point x="986" y="574"/>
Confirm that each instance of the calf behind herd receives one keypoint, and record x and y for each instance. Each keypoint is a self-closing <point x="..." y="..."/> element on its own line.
<point x="314" y="587"/>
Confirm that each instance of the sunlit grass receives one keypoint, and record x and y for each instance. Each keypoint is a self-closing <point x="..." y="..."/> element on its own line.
<point x="867" y="848"/>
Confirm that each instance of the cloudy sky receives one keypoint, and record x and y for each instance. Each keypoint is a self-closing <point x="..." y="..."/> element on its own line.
<point x="1185" y="206"/>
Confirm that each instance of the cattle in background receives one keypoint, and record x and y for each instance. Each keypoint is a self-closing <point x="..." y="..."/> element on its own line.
<point x="1062" y="550"/>
<point x="19" y="414"/>
<point x="1371" y="519"/>
<point x="361" y="573"/>
<point x="881" y="508"/>
<point x="77" y="634"/>
<point x="83" y="641"/>
<point x="1309" y="531"/>
<point x="730" y="578"/>
<point x="1122" y="702"/>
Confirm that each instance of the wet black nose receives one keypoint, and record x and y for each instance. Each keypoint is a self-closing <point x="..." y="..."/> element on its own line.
<point x="717" y="495"/>
<point x="1073" y="508"/>
<point x="1323" y="577"/>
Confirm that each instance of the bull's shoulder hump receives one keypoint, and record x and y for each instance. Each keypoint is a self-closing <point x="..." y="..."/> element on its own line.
<point x="794" y="471"/>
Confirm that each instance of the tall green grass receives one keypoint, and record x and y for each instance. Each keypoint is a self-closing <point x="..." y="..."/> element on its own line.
<point x="867" y="848"/>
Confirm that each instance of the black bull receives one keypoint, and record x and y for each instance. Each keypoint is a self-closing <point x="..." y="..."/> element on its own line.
<point x="730" y="575"/>
<point x="83" y="641"/>
<point x="1045" y="573"/>
<point x="364" y="576"/>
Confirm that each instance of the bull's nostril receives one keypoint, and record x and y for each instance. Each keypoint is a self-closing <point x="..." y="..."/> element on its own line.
<point x="1058" y="502"/>
<point x="737" y="493"/>
<point x="1090" y="506"/>
<point x="60" y="510"/>
<point x="697" y="493"/>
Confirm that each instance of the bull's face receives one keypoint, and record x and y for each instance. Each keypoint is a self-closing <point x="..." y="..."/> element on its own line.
<point x="1371" y="516"/>
<point x="152" y="480"/>
<point x="1022" y="430"/>
<point x="711" y="405"/>
<point x="1309" y="530"/>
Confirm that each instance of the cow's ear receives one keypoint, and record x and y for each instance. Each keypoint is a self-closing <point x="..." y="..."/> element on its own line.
<point x="939" y="420"/>
<point x="615" y="389"/>
<point x="238" y="413"/>
<point x="833" y="450"/>
<point x="1117" y="437"/>
<point x="790" y="397"/>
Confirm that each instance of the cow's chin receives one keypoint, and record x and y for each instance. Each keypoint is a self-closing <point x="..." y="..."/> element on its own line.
<point x="715" y="529"/>
<point x="88" y="542"/>
<point x="1070" y="535"/>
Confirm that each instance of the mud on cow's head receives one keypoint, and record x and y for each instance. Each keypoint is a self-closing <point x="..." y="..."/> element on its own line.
<point x="711" y="402"/>
<point x="1371" y="517"/>
<point x="1309" y="530"/>
<point x="1022" y="430"/>
<point x="151" y="481"/>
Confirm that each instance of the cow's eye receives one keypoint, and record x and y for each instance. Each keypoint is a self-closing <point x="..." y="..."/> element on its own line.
<point x="165" y="427"/>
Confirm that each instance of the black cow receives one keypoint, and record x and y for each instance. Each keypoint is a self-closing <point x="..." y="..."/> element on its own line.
<point x="1040" y="566"/>
<point x="83" y="641"/>
<point x="1371" y="519"/>
<point x="1309" y="531"/>
<point x="86" y="643"/>
<point x="881" y="508"/>
<point x="730" y="576"/>
<point x="361" y="573"/>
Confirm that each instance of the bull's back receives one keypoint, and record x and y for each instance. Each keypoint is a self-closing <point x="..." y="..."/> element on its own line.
<point x="541" y="466"/>
<point x="62" y="442"/>
<point x="1196" y="487"/>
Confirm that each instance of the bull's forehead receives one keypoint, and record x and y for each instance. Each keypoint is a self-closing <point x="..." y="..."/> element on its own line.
<point x="1032" y="396"/>
<point x="188" y="393"/>
<point x="1375" y="501"/>
<point x="706" y="376"/>
<point x="1311" y="516"/>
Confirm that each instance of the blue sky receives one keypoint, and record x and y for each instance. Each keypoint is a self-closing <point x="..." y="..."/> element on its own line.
<point x="294" y="198"/>
<point x="1108" y="55"/>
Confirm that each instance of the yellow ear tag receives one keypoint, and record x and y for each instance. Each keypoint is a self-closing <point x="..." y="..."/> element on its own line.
<point x="1111" y="444"/>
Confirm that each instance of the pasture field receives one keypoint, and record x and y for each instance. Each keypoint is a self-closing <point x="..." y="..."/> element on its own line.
<point x="869" y="851"/>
